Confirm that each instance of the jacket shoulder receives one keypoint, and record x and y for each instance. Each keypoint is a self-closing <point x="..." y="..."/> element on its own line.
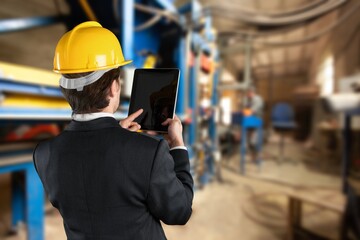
<point x="41" y="148"/>
<point x="145" y="141"/>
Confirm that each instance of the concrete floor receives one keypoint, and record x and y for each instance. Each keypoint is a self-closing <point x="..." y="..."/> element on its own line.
<point x="252" y="206"/>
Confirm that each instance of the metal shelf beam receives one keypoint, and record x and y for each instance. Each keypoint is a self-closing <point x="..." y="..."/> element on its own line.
<point x="7" y="85"/>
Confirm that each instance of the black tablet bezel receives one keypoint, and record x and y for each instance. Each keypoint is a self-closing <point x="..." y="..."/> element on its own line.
<point x="135" y="84"/>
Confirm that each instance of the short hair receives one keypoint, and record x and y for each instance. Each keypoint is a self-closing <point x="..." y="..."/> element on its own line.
<point x="251" y="89"/>
<point x="93" y="97"/>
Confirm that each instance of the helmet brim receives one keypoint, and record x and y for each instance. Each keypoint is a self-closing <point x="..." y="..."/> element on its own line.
<point x="69" y="71"/>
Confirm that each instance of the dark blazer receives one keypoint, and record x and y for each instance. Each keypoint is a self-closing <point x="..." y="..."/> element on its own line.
<point x="110" y="183"/>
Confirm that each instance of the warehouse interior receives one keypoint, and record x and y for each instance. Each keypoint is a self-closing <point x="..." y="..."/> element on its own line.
<point x="291" y="171"/>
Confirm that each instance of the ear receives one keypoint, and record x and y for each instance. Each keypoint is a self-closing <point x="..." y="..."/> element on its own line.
<point x="114" y="88"/>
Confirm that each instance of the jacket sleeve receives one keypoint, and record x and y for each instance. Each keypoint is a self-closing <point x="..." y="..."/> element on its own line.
<point x="171" y="186"/>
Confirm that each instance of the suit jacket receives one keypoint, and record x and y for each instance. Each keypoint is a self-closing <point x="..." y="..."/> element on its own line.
<point x="110" y="183"/>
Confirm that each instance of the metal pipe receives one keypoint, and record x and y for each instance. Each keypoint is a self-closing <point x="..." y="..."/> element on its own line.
<point x="346" y="153"/>
<point x="247" y="69"/>
<point x="149" y="23"/>
<point x="127" y="28"/>
<point x="186" y="70"/>
<point x="234" y="87"/>
<point x="181" y="60"/>
<point x="19" y="24"/>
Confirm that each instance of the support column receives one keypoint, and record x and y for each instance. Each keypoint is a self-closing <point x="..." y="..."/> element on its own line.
<point x="34" y="204"/>
<point x="127" y="12"/>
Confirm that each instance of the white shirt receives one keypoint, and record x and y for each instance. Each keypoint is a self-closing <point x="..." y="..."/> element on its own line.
<point x="91" y="116"/>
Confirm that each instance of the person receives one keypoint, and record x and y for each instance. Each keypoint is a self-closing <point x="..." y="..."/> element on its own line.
<point x="253" y="106"/>
<point x="107" y="180"/>
<point x="253" y="103"/>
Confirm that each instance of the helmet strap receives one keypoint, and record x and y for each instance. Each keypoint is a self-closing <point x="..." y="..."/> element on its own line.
<point x="80" y="82"/>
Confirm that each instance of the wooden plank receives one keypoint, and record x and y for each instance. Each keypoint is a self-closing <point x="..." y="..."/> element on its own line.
<point x="26" y="74"/>
<point x="11" y="160"/>
<point x="17" y="146"/>
<point x="337" y="206"/>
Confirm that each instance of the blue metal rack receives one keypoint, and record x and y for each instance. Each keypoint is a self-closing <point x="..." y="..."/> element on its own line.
<point x="28" y="203"/>
<point x="37" y="114"/>
<point x="7" y="85"/>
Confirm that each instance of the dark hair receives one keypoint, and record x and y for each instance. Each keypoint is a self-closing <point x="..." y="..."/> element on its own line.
<point x="94" y="97"/>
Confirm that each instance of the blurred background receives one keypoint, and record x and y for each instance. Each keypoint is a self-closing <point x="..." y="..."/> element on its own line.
<point x="269" y="97"/>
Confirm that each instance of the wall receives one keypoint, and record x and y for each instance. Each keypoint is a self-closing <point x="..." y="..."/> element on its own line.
<point x="343" y="45"/>
<point x="279" y="89"/>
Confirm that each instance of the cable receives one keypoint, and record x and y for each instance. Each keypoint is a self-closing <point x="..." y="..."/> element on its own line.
<point x="116" y="10"/>
<point x="57" y="7"/>
<point x="167" y="14"/>
<point x="149" y="23"/>
<point x="88" y="10"/>
<point x="159" y="13"/>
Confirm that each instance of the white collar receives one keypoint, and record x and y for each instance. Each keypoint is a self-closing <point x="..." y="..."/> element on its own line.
<point x="91" y="116"/>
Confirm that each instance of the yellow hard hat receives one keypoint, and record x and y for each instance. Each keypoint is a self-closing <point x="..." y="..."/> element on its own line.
<point x="88" y="47"/>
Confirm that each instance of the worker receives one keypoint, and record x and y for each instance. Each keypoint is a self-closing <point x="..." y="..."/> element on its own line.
<point x="253" y="106"/>
<point x="107" y="180"/>
<point x="253" y="103"/>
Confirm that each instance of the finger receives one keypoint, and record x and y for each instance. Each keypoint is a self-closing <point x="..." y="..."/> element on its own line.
<point x="134" y="115"/>
<point x="176" y="118"/>
<point x="166" y="122"/>
<point x="134" y="127"/>
<point x="152" y="133"/>
<point x="122" y="124"/>
<point x="133" y="124"/>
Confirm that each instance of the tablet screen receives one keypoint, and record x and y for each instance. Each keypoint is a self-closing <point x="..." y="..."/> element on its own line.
<point x="155" y="91"/>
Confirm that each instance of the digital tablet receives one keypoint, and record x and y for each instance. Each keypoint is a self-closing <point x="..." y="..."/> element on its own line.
<point x="155" y="91"/>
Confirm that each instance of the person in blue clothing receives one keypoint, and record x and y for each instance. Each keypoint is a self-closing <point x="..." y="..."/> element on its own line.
<point x="253" y="106"/>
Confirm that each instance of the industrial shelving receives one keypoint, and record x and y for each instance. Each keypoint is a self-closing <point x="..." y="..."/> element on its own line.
<point x="133" y="40"/>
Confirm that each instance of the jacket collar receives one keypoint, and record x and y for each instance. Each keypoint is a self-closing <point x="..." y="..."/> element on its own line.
<point x="99" y="123"/>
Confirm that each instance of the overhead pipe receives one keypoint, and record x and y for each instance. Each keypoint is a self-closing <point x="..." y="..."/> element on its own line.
<point x="312" y="37"/>
<point x="247" y="69"/>
<point x="302" y="8"/>
<point x="268" y="20"/>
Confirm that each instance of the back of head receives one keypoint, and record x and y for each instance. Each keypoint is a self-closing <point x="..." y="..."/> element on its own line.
<point x="251" y="91"/>
<point x="93" y="97"/>
<point x="89" y="58"/>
